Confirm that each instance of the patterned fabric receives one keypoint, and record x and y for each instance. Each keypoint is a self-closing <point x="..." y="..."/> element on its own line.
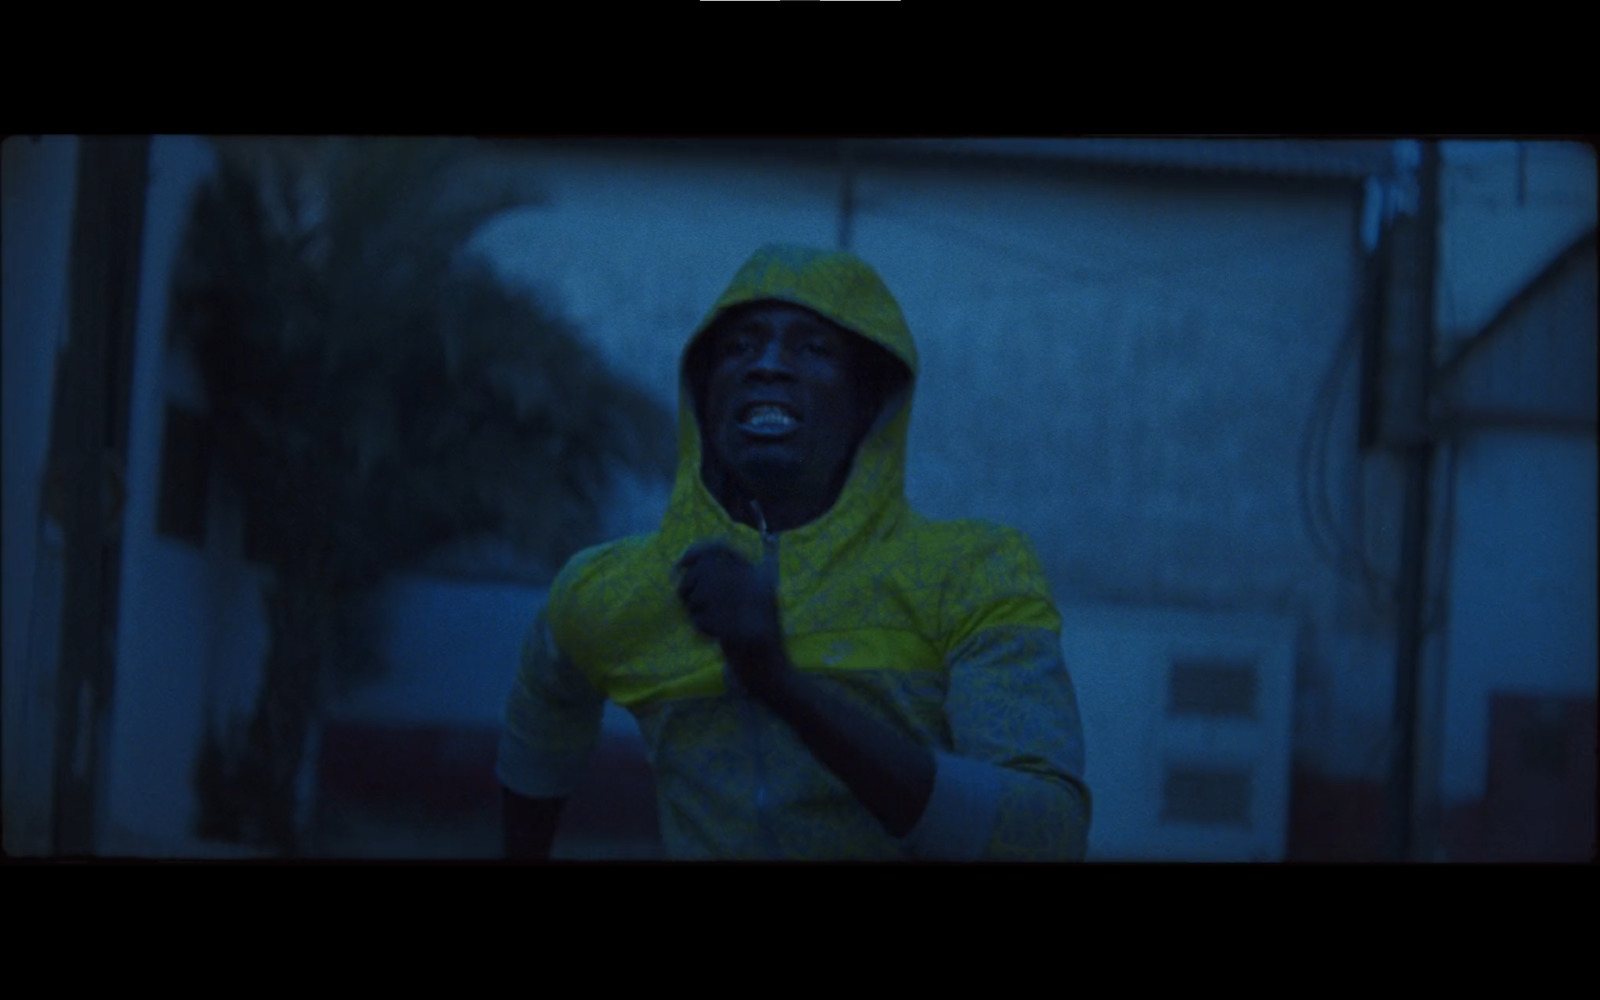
<point x="944" y="631"/>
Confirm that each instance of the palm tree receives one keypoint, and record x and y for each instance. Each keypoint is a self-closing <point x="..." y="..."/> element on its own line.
<point x="376" y="392"/>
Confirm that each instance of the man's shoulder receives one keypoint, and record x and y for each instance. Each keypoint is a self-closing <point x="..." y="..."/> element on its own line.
<point x="972" y="560"/>
<point x="619" y="558"/>
<point x="610" y="590"/>
<point x="993" y="577"/>
<point x="968" y="538"/>
<point x="980" y="556"/>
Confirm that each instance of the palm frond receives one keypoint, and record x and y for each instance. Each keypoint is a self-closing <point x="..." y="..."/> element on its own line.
<point x="376" y="394"/>
<point x="351" y="346"/>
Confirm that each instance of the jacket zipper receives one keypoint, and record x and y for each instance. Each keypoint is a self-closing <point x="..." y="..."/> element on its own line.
<point x="752" y="711"/>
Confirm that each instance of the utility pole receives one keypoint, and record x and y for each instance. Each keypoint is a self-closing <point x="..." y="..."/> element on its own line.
<point x="88" y="453"/>
<point x="1408" y="370"/>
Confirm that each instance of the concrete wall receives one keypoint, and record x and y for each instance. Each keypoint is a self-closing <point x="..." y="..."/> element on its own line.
<point x="1522" y="594"/>
<point x="1509" y="209"/>
<point x="1521" y="531"/>
<point x="1121" y="368"/>
<point x="1517" y="621"/>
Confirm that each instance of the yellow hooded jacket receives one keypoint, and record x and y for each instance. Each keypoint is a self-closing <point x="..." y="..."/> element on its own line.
<point x="945" y="631"/>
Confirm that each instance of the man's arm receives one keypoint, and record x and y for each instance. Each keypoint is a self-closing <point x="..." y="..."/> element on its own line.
<point x="1017" y="745"/>
<point x="529" y="825"/>
<point x="1011" y="788"/>
<point x="552" y="724"/>
<point x="968" y="804"/>
<point x="889" y="773"/>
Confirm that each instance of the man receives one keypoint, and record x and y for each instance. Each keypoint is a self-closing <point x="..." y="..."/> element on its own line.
<point x="818" y="671"/>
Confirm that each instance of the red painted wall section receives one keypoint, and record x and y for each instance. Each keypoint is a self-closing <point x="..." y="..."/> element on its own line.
<point x="1538" y="805"/>
<point x="424" y="776"/>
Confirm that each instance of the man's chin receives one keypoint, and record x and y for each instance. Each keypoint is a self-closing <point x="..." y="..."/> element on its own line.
<point x="769" y="474"/>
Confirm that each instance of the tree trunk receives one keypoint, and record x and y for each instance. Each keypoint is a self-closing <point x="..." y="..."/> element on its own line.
<point x="253" y="796"/>
<point x="300" y="613"/>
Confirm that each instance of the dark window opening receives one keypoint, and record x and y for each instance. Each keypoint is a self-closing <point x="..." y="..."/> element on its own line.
<point x="1210" y="796"/>
<point x="1225" y="688"/>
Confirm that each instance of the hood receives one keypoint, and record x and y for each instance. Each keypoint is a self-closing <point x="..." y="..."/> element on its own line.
<point x="846" y="290"/>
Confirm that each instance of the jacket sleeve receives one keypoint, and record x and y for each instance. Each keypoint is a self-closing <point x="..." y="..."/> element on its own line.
<point x="552" y="720"/>
<point x="1011" y="788"/>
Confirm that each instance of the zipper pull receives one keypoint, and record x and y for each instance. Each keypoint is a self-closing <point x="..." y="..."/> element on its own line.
<point x="769" y="545"/>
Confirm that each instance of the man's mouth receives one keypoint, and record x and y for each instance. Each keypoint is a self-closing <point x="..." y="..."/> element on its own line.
<point x="768" y="420"/>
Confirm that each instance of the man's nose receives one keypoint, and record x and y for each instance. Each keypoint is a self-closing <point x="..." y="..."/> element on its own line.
<point x="773" y="359"/>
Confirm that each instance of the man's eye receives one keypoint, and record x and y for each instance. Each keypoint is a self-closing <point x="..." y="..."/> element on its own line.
<point x="820" y="347"/>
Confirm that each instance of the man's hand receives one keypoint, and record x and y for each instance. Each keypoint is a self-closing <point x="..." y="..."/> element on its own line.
<point x="528" y="825"/>
<point x="736" y="604"/>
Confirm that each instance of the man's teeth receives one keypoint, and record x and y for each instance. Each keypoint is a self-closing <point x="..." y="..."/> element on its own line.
<point x="768" y="416"/>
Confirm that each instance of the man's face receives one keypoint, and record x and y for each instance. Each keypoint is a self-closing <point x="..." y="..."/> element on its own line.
<point x="784" y="407"/>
